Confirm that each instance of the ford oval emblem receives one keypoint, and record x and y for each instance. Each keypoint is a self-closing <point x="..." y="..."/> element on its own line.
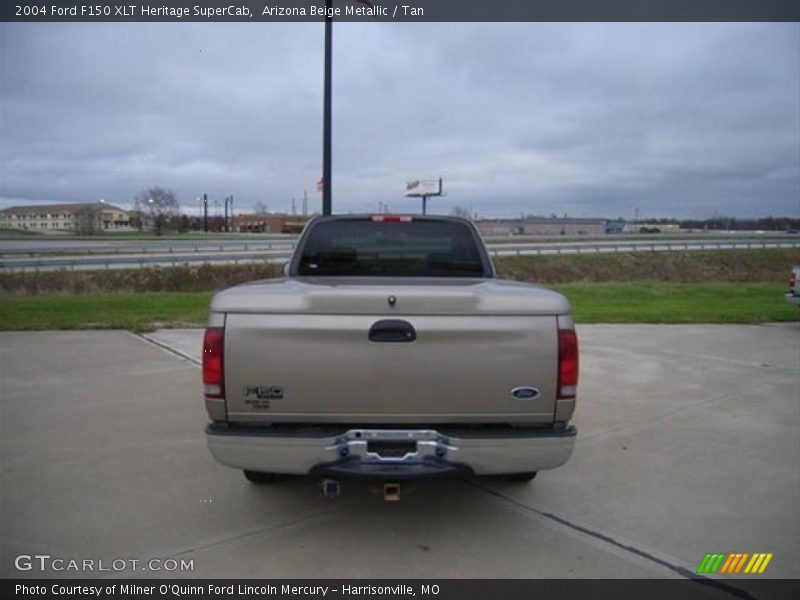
<point x="525" y="392"/>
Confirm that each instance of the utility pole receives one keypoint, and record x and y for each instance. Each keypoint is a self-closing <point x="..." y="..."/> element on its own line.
<point x="205" y="213"/>
<point x="327" y="180"/>
<point x="305" y="203"/>
<point x="226" y="214"/>
<point x="294" y="207"/>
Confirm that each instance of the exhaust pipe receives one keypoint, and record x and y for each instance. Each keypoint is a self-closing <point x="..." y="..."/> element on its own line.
<point x="391" y="491"/>
<point x="331" y="488"/>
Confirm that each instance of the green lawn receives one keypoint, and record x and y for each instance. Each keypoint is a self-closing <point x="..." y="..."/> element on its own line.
<point x="640" y="302"/>
<point x="137" y="312"/>
<point x="10" y="232"/>
<point x="679" y="302"/>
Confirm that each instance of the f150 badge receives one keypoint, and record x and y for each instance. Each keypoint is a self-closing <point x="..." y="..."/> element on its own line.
<point x="259" y="396"/>
<point x="525" y="392"/>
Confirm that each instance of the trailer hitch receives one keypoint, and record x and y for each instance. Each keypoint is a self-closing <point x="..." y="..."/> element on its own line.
<point x="331" y="488"/>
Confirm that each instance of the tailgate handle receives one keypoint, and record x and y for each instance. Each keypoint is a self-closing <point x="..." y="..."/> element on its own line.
<point x="392" y="330"/>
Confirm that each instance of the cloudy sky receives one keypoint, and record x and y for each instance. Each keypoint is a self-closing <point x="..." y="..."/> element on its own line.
<point x="586" y="119"/>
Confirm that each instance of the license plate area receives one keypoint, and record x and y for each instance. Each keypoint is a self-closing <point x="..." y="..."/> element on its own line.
<point x="392" y="448"/>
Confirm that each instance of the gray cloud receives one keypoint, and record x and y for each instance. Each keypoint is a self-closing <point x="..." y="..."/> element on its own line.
<point x="585" y="119"/>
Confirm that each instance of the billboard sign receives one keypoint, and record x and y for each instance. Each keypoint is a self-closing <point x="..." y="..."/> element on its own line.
<point x="424" y="187"/>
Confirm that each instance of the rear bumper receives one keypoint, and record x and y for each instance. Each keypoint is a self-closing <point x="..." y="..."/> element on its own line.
<point x="351" y="451"/>
<point x="792" y="299"/>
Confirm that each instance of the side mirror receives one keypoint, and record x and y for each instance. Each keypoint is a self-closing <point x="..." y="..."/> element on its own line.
<point x="286" y="269"/>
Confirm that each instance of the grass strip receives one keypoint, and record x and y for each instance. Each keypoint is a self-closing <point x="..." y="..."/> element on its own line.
<point x="659" y="302"/>
<point x="640" y="302"/>
<point x="135" y="312"/>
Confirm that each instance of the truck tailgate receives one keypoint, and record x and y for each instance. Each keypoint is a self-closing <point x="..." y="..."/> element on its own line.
<point x="324" y="368"/>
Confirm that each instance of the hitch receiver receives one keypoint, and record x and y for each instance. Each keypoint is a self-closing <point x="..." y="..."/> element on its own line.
<point x="391" y="491"/>
<point x="331" y="488"/>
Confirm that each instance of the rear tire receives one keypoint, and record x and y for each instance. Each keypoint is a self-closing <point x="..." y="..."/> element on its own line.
<point x="519" y="477"/>
<point x="264" y="477"/>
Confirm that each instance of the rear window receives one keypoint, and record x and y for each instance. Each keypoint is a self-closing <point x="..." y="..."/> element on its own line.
<point x="417" y="248"/>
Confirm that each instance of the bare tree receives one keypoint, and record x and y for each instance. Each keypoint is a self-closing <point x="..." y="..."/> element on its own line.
<point x="157" y="206"/>
<point x="86" y="219"/>
<point x="460" y="211"/>
<point x="260" y="208"/>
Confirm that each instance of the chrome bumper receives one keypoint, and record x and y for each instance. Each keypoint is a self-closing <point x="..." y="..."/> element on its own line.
<point x="357" y="451"/>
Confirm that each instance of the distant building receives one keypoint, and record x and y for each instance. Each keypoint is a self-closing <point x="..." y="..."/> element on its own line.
<point x="616" y="226"/>
<point x="543" y="226"/>
<point x="661" y="227"/>
<point x="498" y="227"/>
<point x="80" y="217"/>
<point x="269" y="223"/>
<point x="565" y="226"/>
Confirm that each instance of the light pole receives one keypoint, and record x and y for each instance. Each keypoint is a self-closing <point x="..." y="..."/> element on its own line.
<point x="327" y="182"/>
<point x="152" y="215"/>
<point x="205" y="213"/>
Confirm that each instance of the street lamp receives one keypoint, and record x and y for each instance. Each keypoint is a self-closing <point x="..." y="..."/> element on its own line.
<point x="205" y="213"/>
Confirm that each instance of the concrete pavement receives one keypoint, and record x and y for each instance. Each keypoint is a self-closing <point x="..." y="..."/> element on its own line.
<point x="688" y="444"/>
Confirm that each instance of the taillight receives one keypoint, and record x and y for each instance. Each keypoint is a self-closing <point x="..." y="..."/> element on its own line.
<point x="213" y="370"/>
<point x="567" y="364"/>
<point x="392" y="218"/>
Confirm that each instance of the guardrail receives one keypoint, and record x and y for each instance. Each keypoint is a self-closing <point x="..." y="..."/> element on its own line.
<point x="132" y="262"/>
<point x="273" y="254"/>
<point x="158" y="248"/>
<point x="637" y="246"/>
<point x="288" y="243"/>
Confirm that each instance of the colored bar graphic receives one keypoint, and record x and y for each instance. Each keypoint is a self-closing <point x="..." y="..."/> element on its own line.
<point x="749" y="567"/>
<point x="711" y="563"/>
<point x="741" y="562"/>
<point x="734" y="562"/>
<point x="703" y="564"/>
<point x="732" y="558"/>
<point x="759" y="558"/>
<point x="715" y="566"/>
<point x="764" y="564"/>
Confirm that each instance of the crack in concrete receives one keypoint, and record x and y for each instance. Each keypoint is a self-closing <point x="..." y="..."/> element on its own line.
<point x="607" y="539"/>
<point x="168" y="348"/>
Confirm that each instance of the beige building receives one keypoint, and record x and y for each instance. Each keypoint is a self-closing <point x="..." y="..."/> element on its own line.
<point x="543" y="226"/>
<point x="566" y="226"/>
<point x="77" y="217"/>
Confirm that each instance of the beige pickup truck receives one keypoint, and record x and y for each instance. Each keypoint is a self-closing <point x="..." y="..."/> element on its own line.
<point x="390" y="350"/>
